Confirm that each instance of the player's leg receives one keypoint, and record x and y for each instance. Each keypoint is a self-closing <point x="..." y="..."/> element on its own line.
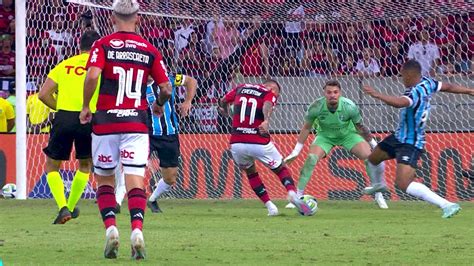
<point x="361" y="149"/>
<point x="168" y="153"/>
<point x="134" y="162"/>
<point x="241" y="156"/>
<point x="105" y="154"/>
<point x="272" y="158"/>
<point x="120" y="189"/>
<point x="58" y="149"/>
<point x="318" y="150"/>
<point x="83" y="146"/>
<point x="407" y="157"/>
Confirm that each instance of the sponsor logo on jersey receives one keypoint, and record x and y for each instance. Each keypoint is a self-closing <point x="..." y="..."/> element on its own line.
<point x="247" y="130"/>
<point x="134" y="44"/>
<point x="123" y="112"/>
<point x="94" y="55"/>
<point x="116" y="44"/>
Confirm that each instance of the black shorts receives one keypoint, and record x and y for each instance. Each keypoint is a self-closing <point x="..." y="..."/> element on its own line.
<point x="167" y="149"/>
<point x="67" y="129"/>
<point x="404" y="153"/>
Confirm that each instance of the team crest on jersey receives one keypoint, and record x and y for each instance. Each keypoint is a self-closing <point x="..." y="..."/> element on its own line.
<point x="117" y="44"/>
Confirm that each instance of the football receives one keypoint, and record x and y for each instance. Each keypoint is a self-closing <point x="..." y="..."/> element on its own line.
<point x="312" y="203"/>
<point x="9" y="191"/>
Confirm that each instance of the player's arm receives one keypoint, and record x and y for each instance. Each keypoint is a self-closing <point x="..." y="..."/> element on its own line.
<point x="267" y="113"/>
<point x="455" y="88"/>
<point x="46" y="93"/>
<point x="225" y="101"/>
<point x="160" y="76"/>
<point x="310" y="117"/>
<point x="395" y="101"/>
<point x="10" y="115"/>
<point x="95" y="65"/>
<point x="190" y="84"/>
<point x="90" y="84"/>
<point x="365" y="133"/>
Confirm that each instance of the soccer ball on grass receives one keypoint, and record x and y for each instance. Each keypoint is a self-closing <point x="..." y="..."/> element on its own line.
<point x="312" y="203"/>
<point x="9" y="191"/>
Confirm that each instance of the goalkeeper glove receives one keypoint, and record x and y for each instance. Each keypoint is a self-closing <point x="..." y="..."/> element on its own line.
<point x="296" y="151"/>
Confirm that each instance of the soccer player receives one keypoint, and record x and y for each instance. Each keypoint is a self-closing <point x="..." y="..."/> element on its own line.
<point x="120" y="131"/>
<point x="407" y="144"/>
<point x="250" y="139"/>
<point x="67" y="79"/>
<point x="164" y="139"/>
<point x="338" y="123"/>
<point x="7" y="116"/>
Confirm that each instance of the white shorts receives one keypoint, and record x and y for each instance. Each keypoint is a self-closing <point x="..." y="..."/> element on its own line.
<point x="245" y="154"/>
<point x="131" y="150"/>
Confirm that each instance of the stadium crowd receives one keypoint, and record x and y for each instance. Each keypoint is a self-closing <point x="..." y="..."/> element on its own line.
<point x="305" y="44"/>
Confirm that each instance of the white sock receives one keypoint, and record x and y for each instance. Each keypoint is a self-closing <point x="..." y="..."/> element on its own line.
<point x="423" y="192"/>
<point x="161" y="188"/>
<point x="376" y="173"/>
<point x="299" y="192"/>
<point x="120" y="189"/>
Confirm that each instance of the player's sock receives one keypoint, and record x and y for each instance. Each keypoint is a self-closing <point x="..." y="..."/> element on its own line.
<point x="423" y="192"/>
<point x="307" y="170"/>
<point x="79" y="183"/>
<point x="376" y="173"/>
<point x="56" y="186"/>
<point x="258" y="187"/>
<point x="285" y="179"/>
<point x="161" y="188"/>
<point x="106" y="203"/>
<point x="136" y="206"/>
<point x="300" y="192"/>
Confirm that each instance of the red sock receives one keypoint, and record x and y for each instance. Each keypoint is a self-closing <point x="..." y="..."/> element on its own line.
<point x="285" y="179"/>
<point x="136" y="206"/>
<point x="106" y="202"/>
<point x="258" y="187"/>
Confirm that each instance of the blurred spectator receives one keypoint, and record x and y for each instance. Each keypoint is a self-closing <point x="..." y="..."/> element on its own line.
<point x="41" y="57"/>
<point x="190" y="57"/>
<point x="7" y="116"/>
<point x="293" y="28"/>
<point x="426" y="53"/>
<point x="393" y="61"/>
<point x="60" y="37"/>
<point x="7" y="58"/>
<point x="463" y="59"/>
<point x="443" y="31"/>
<point x="368" y="66"/>
<point x="38" y="116"/>
<point x="348" y="66"/>
<point x="7" y="16"/>
<point x="226" y="37"/>
<point x="315" y="61"/>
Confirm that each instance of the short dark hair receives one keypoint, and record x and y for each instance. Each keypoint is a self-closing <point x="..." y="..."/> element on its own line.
<point x="87" y="39"/>
<point x="412" y="65"/>
<point x="332" y="83"/>
<point x="274" y="82"/>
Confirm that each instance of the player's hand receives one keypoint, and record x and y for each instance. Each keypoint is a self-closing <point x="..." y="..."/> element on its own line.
<point x="85" y="116"/>
<point x="157" y="110"/>
<point x="184" y="109"/>
<point x="370" y="91"/>
<point x="263" y="128"/>
<point x="222" y="111"/>
<point x="290" y="158"/>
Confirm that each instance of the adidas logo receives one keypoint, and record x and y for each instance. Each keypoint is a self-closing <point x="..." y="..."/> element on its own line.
<point x="138" y="215"/>
<point x="110" y="213"/>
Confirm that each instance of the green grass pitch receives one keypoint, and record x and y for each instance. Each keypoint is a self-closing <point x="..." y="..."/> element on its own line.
<point x="208" y="232"/>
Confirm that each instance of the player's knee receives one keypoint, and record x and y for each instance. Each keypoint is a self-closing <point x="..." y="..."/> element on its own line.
<point x="312" y="158"/>
<point x="251" y="170"/>
<point x="52" y="165"/>
<point x="402" y="184"/>
<point x="85" y="165"/>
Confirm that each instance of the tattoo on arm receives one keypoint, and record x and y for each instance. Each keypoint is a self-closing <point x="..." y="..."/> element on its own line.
<point x="267" y="110"/>
<point x="364" y="132"/>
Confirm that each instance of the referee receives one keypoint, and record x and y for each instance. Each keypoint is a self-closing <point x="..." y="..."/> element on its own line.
<point x="67" y="79"/>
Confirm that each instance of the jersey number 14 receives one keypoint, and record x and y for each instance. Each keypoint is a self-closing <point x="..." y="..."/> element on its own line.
<point x="125" y="81"/>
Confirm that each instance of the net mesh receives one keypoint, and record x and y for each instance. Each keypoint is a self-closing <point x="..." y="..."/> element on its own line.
<point x="302" y="44"/>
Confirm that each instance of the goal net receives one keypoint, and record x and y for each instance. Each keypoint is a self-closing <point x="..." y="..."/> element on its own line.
<point x="301" y="44"/>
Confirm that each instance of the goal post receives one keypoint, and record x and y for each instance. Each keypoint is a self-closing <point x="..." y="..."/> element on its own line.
<point x="301" y="46"/>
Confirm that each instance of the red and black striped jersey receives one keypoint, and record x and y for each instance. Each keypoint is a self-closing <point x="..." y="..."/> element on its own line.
<point x="248" y="100"/>
<point x="126" y="60"/>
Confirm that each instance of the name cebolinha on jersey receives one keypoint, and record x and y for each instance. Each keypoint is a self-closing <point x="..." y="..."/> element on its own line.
<point x="130" y="56"/>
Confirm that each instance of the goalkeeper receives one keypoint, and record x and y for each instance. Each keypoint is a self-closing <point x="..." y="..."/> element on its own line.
<point x="338" y="123"/>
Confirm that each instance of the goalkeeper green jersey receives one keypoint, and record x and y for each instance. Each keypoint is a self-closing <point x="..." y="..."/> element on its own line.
<point x="333" y="125"/>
